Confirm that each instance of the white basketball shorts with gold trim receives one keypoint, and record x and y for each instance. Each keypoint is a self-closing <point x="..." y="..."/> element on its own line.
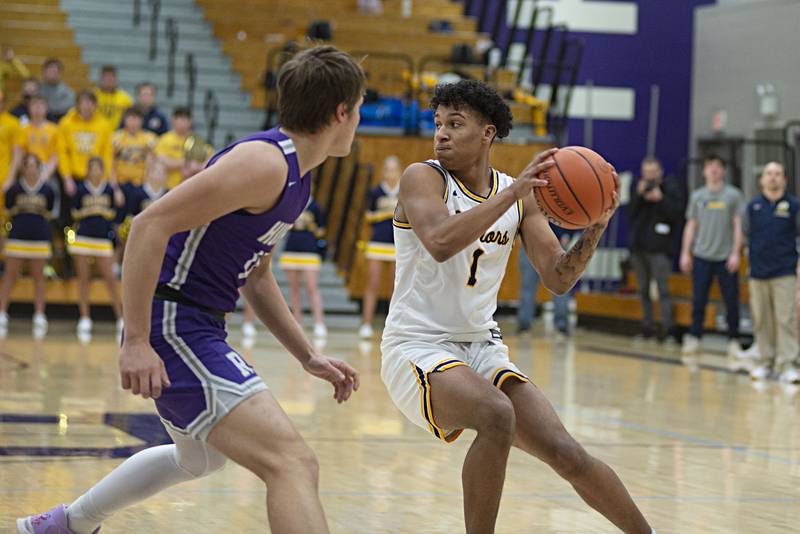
<point x="407" y="365"/>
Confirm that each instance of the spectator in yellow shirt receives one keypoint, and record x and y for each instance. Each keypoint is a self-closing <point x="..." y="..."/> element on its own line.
<point x="39" y="137"/>
<point x="132" y="148"/>
<point x="9" y="130"/>
<point x="171" y="147"/>
<point x="111" y="100"/>
<point x="83" y="134"/>
<point x="11" y="64"/>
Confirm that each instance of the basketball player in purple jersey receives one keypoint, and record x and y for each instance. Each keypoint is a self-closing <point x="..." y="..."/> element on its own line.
<point x="215" y="233"/>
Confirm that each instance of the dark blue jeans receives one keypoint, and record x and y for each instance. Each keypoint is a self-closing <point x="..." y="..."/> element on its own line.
<point x="529" y="284"/>
<point x="703" y="273"/>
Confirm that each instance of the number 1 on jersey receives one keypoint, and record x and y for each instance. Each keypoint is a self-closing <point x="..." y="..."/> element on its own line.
<point x="473" y="270"/>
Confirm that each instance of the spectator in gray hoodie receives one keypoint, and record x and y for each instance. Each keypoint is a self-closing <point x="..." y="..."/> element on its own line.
<point x="60" y="98"/>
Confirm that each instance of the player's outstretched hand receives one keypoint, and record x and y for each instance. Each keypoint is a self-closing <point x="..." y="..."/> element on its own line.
<point x="530" y="175"/>
<point x="142" y="371"/>
<point x="614" y="201"/>
<point x="343" y="377"/>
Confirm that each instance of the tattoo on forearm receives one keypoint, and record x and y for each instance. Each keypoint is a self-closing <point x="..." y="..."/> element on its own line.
<point x="572" y="264"/>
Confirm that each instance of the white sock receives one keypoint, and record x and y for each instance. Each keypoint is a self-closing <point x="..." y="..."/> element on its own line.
<point x="142" y="475"/>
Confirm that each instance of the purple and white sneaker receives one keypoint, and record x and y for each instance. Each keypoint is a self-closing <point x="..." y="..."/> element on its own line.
<point x="51" y="522"/>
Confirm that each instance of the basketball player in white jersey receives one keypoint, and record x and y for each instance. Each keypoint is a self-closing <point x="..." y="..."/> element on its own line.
<point x="444" y="362"/>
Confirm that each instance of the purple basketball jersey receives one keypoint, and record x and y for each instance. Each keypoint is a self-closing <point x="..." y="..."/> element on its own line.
<point x="208" y="264"/>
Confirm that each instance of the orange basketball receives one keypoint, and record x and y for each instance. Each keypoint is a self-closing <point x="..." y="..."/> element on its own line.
<point x="580" y="188"/>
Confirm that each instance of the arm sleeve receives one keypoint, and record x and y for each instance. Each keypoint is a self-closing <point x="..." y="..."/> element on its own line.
<point x="797" y="222"/>
<point x="691" y="208"/>
<point x="635" y="204"/>
<point x="52" y="145"/>
<point x="63" y="151"/>
<point x="21" y="140"/>
<point x="738" y="202"/>
<point x="20" y="67"/>
<point x="68" y="97"/>
<point x="105" y="150"/>
<point x="671" y="206"/>
<point x="158" y="146"/>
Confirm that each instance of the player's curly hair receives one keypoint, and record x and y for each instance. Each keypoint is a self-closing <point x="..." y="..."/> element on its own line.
<point x="479" y="97"/>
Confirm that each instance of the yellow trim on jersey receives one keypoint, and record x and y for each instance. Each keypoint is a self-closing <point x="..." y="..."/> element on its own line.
<point x="401" y="224"/>
<point x="425" y="397"/>
<point x="520" y="212"/>
<point x="503" y="374"/>
<point x="474" y="196"/>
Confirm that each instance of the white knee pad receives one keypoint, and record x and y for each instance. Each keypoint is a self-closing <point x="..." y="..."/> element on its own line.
<point x="196" y="457"/>
<point x="199" y="461"/>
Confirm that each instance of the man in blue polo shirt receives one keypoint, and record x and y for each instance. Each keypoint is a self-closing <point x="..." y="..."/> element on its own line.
<point x="771" y="225"/>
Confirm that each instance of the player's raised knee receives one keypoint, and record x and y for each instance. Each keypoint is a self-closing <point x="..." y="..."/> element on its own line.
<point x="495" y="416"/>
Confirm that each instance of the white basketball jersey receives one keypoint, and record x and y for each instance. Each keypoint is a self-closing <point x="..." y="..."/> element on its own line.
<point x="453" y="300"/>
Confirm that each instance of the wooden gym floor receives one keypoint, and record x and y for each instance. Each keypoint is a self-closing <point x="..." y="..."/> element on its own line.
<point x="700" y="448"/>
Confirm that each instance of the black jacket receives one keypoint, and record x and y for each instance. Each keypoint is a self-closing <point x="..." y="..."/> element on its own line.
<point x="654" y="225"/>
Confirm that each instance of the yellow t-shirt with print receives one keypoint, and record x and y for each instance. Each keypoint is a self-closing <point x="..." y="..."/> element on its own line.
<point x="80" y="140"/>
<point x="113" y="105"/>
<point x="41" y="141"/>
<point x="130" y="155"/>
<point x="9" y="130"/>
<point x="171" y="145"/>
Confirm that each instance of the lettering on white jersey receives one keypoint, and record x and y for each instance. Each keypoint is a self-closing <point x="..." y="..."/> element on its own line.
<point x="501" y="238"/>
<point x="455" y="299"/>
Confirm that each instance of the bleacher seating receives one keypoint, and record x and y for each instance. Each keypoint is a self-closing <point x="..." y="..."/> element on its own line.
<point x="247" y="34"/>
<point x="37" y="30"/>
<point x="396" y="50"/>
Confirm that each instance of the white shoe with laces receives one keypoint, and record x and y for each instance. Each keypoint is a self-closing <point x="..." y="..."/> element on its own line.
<point x="248" y="329"/>
<point x="734" y="350"/>
<point x="691" y="345"/>
<point x="759" y="373"/>
<point x="39" y="324"/>
<point x="120" y="325"/>
<point x="365" y="332"/>
<point x="790" y="376"/>
<point x="320" y="330"/>
<point x="752" y="353"/>
<point x="84" y="326"/>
